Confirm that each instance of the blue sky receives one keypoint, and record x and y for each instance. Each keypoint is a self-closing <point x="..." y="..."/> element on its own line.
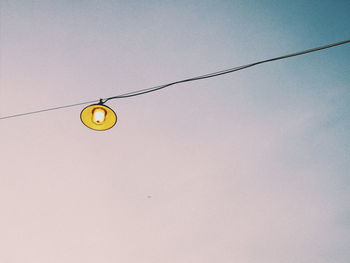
<point x="248" y="167"/>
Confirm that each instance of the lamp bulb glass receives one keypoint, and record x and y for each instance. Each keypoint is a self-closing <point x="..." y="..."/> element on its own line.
<point x="99" y="116"/>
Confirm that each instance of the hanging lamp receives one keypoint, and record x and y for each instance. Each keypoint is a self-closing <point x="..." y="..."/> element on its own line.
<point x="98" y="117"/>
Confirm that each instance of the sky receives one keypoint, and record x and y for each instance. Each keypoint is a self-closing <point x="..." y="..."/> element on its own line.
<point x="249" y="167"/>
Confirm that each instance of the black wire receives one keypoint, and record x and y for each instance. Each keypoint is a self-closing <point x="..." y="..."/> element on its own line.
<point x="210" y="75"/>
<point x="49" y="109"/>
<point x="222" y="72"/>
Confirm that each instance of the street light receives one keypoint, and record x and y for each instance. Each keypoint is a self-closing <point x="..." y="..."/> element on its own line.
<point x="98" y="117"/>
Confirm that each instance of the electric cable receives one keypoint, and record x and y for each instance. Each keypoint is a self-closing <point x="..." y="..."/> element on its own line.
<point x="209" y="75"/>
<point x="49" y="109"/>
<point x="226" y="71"/>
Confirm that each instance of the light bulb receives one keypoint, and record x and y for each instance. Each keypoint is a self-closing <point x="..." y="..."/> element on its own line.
<point x="98" y="115"/>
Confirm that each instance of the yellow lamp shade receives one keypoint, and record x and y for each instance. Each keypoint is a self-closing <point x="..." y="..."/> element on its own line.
<point x="98" y="117"/>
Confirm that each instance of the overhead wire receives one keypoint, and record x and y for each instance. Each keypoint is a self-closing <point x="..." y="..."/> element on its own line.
<point x="49" y="109"/>
<point x="209" y="75"/>
<point x="226" y="71"/>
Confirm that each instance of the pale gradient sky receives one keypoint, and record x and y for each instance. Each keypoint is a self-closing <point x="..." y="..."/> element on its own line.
<point x="251" y="167"/>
